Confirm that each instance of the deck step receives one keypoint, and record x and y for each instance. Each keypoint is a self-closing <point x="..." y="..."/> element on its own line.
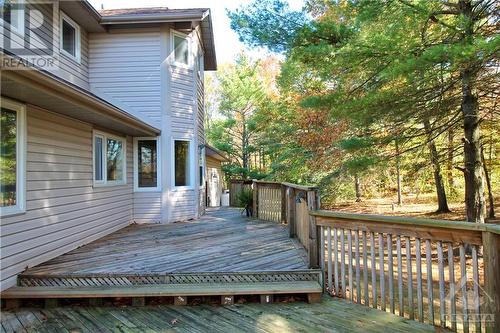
<point x="205" y="289"/>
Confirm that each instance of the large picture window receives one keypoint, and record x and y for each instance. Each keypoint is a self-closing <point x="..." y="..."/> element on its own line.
<point x="146" y="161"/>
<point x="109" y="159"/>
<point x="12" y="157"/>
<point x="182" y="163"/>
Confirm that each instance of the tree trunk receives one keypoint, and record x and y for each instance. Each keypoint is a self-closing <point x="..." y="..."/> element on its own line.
<point x="357" y="187"/>
<point x="398" y="173"/>
<point x="449" y="161"/>
<point x="491" y="201"/>
<point x="475" y="202"/>
<point x="244" y="147"/>
<point x="438" y="178"/>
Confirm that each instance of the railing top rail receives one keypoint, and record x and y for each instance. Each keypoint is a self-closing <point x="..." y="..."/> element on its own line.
<point x="408" y="221"/>
<point x="266" y="182"/>
<point x="301" y="187"/>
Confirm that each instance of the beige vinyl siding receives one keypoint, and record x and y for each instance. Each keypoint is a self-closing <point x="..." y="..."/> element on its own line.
<point x="214" y="165"/>
<point x="63" y="209"/>
<point x="147" y="207"/>
<point x="125" y="67"/>
<point x="182" y="102"/>
<point x="69" y="70"/>
<point x="182" y="205"/>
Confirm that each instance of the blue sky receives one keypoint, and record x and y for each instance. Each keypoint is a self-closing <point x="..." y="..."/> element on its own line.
<point x="226" y="40"/>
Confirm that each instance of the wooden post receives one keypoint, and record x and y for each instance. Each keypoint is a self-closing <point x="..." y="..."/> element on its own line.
<point x="491" y="302"/>
<point x="138" y="301"/>
<point x="51" y="303"/>
<point x="255" y="187"/>
<point x="227" y="300"/>
<point x="284" y="202"/>
<point x="292" y="226"/>
<point x="265" y="299"/>
<point x="313" y="231"/>
<point x="180" y="300"/>
<point x="313" y="298"/>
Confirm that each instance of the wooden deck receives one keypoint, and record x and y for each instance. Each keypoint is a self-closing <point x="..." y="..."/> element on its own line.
<point x="221" y="241"/>
<point x="330" y="315"/>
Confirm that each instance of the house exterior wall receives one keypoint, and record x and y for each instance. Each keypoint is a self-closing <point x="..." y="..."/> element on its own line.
<point x="63" y="208"/>
<point x="124" y="69"/>
<point x="48" y="34"/>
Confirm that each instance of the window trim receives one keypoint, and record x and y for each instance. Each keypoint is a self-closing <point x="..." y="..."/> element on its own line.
<point x="192" y="170"/>
<point x="189" y="65"/>
<point x="105" y="136"/>
<point x="202" y="163"/>
<point x="77" y="57"/>
<point x="136" y="165"/>
<point x="20" y="206"/>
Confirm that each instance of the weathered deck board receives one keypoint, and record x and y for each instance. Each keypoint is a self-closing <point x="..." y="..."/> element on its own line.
<point x="330" y="315"/>
<point x="222" y="240"/>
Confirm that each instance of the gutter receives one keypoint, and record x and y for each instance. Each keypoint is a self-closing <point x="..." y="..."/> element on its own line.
<point x="129" y="19"/>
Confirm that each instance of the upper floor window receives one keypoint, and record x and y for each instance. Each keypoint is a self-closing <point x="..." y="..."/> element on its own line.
<point x="146" y="170"/>
<point x="70" y="37"/>
<point x="181" y="49"/>
<point x="13" y="14"/>
<point x="12" y="157"/>
<point x="109" y="159"/>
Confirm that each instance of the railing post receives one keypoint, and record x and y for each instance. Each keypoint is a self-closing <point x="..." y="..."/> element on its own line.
<point x="313" y="231"/>
<point x="491" y="257"/>
<point x="284" y="202"/>
<point x="255" y="209"/>
<point x="292" y="224"/>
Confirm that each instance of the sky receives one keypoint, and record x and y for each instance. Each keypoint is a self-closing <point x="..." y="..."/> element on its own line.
<point x="227" y="45"/>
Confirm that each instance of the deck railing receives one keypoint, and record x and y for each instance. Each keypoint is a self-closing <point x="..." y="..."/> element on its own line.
<point x="440" y="272"/>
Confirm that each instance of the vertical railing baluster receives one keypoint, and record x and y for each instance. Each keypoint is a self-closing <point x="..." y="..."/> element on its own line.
<point x="381" y="270"/>
<point x="475" y="278"/>
<point x="463" y="283"/>
<point x="342" y="262"/>
<point x="430" y="297"/>
<point x="365" y="272"/>
<point x="356" y="248"/>
<point x="329" y="255"/>
<point x="441" y="285"/>
<point x="349" y="265"/>
<point x="322" y="248"/>
<point x="374" y="270"/>
<point x="410" y="278"/>
<point x="420" y="301"/>
<point x="401" y="304"/>
<point x="336" y="261"/>
<point x="391" y="272"/>
<point x="453" y="300"/>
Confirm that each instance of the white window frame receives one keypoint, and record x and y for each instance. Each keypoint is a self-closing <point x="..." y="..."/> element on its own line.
<point x="192" y="169"/>
<point x="18" y="26"/>
<point x="136" y="165"/>
<point x="104" y="182"/>
<point x="190" y="50"/>
<point x="77" y="57"/>
<point x="20" y="206"/>
<point x="202" y="164"/>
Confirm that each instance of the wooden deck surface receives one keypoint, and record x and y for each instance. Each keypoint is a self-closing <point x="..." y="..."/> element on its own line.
<point x="330" y="315"/>
<point x="221" y="241"/>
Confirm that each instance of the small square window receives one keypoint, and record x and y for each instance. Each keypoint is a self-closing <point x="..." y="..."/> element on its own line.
<point x="70" y="37"/>
<point x="181" y="50"/>
<point x="13" y="14"/>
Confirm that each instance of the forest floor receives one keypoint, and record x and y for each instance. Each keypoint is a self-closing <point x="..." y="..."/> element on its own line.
<point x="423" y="206"/>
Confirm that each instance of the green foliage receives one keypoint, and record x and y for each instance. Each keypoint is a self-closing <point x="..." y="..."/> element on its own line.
<point x="244" y="198"/>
